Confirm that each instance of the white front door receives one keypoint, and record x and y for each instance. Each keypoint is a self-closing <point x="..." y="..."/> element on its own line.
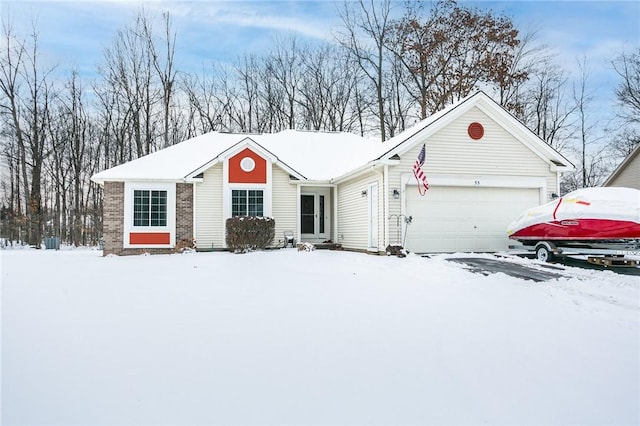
<point x="315" y="215"/>
<point x="373" y="215"/>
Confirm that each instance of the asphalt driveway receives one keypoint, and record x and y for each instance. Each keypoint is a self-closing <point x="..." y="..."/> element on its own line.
<point x="486" y="266"/>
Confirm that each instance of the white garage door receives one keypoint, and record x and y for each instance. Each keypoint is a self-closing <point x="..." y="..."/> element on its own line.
<point x="451" y="219"/>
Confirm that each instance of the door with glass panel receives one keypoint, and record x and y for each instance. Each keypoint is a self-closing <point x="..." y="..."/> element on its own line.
<point x="315" y="215"/>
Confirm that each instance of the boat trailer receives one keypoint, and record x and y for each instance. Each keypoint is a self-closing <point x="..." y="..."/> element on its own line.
<point x="625" y="253"/>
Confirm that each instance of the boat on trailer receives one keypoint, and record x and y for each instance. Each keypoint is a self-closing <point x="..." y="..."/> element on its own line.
<point x="604" y="222"/>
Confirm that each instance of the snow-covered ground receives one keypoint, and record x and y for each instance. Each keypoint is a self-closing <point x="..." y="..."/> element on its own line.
<point x="288" y="337"/>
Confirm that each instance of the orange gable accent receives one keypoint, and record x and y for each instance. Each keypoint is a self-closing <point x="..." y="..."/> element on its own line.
<point x="475" y="131"/>
<point x="238" y="175"/>
<point x="149" y="238"/>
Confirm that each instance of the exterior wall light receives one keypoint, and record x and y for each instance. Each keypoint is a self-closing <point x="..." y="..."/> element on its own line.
<point x="396" y="194"/>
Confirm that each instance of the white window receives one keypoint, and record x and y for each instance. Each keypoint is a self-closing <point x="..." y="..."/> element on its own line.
<point x="247" y="202"/>
<point x="149" y="208"/>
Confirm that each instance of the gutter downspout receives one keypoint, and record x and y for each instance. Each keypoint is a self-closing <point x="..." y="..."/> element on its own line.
<point x="385" y="210"/>
<point x="385" y="203"/>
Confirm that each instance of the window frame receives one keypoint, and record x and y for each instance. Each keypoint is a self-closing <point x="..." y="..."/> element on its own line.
<point x="128" y="224"/>
<point x="150" y="208"/>
<point x="247" y="201"/>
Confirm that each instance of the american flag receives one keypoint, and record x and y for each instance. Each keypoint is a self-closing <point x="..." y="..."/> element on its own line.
<point x="421" y="177"/>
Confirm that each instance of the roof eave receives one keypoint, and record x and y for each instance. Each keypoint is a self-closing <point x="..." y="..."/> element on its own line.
<point x="192" y="175"/>
<point x="512" y="125"/>
<point x="101" y="181"/>
<point x="237" y="147"/>
<point x="562" y="169"/>
<point x="370" y="166"/>
<point x="622" y="165"/>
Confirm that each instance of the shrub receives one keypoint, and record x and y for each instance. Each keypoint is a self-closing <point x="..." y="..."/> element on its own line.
<point x="246" y="233"/>
<point x="185" y="245"/>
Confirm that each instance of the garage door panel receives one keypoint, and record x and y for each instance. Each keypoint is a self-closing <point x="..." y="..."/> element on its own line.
<point x="449" y="219"/>
<point x="483" y="214"/>
<point x="484" y="244"/>
<point x="447" y="229"/>
<point x="445" y="244"/>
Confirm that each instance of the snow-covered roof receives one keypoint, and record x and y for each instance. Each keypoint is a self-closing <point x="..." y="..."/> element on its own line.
<point x="172" y="163"/>
<point x="322" y="156"/>
<point x="317" y="156"/>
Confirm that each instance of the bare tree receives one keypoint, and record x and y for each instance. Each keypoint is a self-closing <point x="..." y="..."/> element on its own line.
<point x="625" y="141"/>
<point x="397" y="103"/>
<point x="283" y="68"/>
<point x="208" y="98"/>
<point x="628" y="91"/>
<point x="164" y="67"/>
<point x="627" y="66"/>
<point x="593" y="172"/>
<point x="26" y="95"/>
<point x="58" y="172"/>
<point x="547" y="109"/>
<point x="245" y="112"/>
<point x="327" y="87"/>
<point x="365" y="31"/>
<point x="512" y="86"/>
<point x="127" y="71"/>
<point x="78" y="127"/>
<point x="13" y="218"/>
<point x="13" y="56"/>
<point x="589" y="161"/>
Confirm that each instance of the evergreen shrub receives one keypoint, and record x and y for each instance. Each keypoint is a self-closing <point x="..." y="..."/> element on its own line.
<point x="248" y="233"/>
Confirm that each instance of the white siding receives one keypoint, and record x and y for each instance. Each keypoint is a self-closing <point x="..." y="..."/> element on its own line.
<point x="209" y="213"/>
<point x="629" y="176"/>
<point x="353" y="227"/>
<point x="209" y="220"/>
<point x="451" y="152"/>
<point x="283" y="208"/>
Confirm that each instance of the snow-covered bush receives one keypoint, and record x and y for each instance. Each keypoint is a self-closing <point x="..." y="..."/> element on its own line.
<point x="247" y="233"/>
<point x="306" y="246"/>
<point x="396" y="250"/>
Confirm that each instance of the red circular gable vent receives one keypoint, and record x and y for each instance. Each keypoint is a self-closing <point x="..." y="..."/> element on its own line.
<point x="475" y="130"/>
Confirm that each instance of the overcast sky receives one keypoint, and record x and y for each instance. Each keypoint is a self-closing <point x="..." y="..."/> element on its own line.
<point x="75" y="33"/>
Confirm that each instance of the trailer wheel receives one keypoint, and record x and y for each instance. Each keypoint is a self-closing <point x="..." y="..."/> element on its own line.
<point x="543" y="253"/>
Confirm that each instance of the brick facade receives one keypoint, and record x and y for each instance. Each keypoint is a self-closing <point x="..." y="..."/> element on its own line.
<point x="184" y="212"/>
<point x="113" y="219"/>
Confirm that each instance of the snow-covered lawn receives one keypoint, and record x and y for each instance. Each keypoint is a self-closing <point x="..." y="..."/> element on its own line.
<point x="287" y="337"/>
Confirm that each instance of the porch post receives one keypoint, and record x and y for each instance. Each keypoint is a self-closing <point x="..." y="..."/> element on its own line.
<point x="335" y="215"/>
<point x="298" y="230"/>
<point x="385" y="210"/>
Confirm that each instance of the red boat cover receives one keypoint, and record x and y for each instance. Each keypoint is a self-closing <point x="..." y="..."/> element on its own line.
<point x="584" y="214"/>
